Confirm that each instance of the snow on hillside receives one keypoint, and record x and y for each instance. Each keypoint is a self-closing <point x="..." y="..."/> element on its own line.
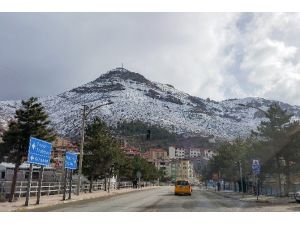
<point x="136" y="98"/>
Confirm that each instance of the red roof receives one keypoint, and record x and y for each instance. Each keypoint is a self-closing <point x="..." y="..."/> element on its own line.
<point x="157" y="150"/>
<point x="132" y="151"/>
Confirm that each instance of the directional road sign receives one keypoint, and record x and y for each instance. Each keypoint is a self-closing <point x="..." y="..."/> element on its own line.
<point x="255" y="167"/>
<point x="71" y="161"/>
<point x="39" y="152"/>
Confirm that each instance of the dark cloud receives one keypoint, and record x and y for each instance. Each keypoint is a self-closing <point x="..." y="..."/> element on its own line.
<point x="216" y="55"/>
<point x="47" y="53"/>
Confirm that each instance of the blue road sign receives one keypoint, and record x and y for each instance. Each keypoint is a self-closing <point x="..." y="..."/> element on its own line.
<point x="255" y="167"/>
<point x="39" y="152"/>
<point x="71" y="161"/>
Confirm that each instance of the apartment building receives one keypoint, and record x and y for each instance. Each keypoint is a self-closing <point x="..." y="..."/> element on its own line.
<point x="194" y="152"/>
<point x="159" y="157"/>
<point x="59" y="148"/>
<point x="182" y="169"/>
<point x="176" y="153"/>
<point x="182" y="153"/>
<point x="208" y="153"/>
<point x="132" y="152"/>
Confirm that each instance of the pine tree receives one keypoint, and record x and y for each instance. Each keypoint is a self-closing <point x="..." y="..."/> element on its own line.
<point x="123" y="167"/>
<point x="275" y="135"/>
<point x="30" y="121"/>
<point x="148" y="170"/>
<point x="100" y="150"/>
<point x="274" y="127"/>
<point x="225" y="163"/>
<point x="290" y="152"/>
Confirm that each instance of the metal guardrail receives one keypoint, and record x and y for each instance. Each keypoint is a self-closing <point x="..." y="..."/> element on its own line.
<point x="47" y="188"/>
<point x="54" y="188"/>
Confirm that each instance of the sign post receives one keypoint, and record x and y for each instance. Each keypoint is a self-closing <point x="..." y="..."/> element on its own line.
<point x="70" y="164"/>
<point x="70" y="183"/>
<point x="65" y="184"/>
<point x="256" y="171"/>
<point x="40" y="185"/>
<point x="39" y="153"/>
<point x="28" y="185"/>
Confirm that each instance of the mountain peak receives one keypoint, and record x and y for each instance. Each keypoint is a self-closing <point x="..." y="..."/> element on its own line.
<point x="124" y="74"/>
<point x="113" y="80"/>
<point x="137" y="98"/>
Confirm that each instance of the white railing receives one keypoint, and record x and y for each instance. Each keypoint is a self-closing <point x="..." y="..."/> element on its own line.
<point x="47" y="188"/>
<point x="54" y="188"/>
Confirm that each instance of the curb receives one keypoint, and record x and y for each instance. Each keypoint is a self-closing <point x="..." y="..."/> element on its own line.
<point x="40" y="208"/>
<point x="237" y="197"/>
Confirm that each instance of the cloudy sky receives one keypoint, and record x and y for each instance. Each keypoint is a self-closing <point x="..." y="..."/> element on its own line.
<point x="215" y="55"/>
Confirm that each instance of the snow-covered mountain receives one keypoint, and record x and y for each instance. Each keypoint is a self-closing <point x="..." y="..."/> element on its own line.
<point x="136" y="98"/>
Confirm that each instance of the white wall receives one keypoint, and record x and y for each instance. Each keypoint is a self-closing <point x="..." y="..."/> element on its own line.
<point x="172" y="152"/>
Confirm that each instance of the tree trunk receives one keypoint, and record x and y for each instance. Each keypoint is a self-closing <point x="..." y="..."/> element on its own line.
<point x="14" y="181"/>
<point x="91" y="184"/>
<point x="105" y="183"/>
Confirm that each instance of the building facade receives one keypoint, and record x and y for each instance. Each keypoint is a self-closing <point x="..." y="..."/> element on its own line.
<point x="182" y="153"/>
<point x="132" y="152"/>
<point x="182" y="169"/>
<point x="59" y="148"/>
<point x="159" y="158"/>
<point x="7" y="171"/>
<point x="176" y="153"/>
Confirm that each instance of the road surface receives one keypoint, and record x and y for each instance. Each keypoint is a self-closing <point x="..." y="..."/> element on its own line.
<point x="163" y="200"/>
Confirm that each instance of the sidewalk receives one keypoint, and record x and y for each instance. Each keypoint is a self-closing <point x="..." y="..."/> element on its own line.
<point x="253" y="198"/>
<point x="52" y="200"/>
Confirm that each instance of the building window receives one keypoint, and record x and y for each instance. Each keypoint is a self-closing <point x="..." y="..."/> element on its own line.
<point x="3" y="175"/>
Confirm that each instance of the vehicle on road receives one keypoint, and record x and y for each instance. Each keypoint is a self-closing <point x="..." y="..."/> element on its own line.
<point x="297" y="196"/>
<point x="182" y="187"/>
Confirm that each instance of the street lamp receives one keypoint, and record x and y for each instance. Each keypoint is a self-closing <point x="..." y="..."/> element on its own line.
<point x="241" y="175"/>
<point x="86" y="111"/>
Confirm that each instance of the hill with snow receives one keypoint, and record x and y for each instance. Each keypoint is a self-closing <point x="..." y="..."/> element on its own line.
<point x="136" y="98"/>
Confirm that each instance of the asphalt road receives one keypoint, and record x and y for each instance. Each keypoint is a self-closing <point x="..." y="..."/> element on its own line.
<point x="163" y="200"/>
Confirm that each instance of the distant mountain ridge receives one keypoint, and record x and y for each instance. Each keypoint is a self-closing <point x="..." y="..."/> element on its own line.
<point x="136" y="98"/>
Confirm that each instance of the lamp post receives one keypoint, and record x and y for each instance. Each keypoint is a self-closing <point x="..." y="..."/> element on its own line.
<point x="85" y="113"/>
<point x="241" y="175"/>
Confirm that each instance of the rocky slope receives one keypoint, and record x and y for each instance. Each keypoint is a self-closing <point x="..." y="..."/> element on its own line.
<point x="136" y="98"/>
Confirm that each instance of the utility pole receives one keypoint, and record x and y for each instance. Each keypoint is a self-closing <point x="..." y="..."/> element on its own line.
<point x="257" y="187"/>
<point x="85" y="113"/>
<point x="70" y="183"/>
<point x="241" y="175"/>
<point x="65" y="184"/>
<point x="81" y="149"/>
